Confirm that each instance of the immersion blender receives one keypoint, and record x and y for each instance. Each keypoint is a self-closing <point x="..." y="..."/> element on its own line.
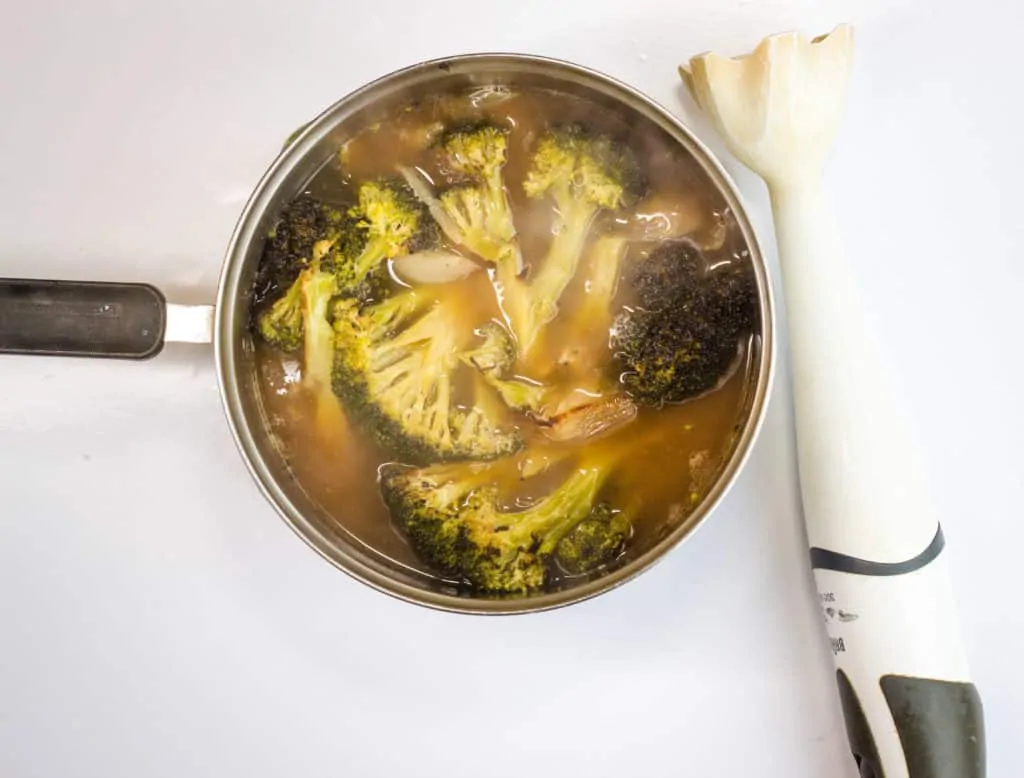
<point x="911" y="710"/>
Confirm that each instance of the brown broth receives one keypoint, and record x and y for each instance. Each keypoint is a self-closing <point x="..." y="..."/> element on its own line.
<point x="682" y="446"/>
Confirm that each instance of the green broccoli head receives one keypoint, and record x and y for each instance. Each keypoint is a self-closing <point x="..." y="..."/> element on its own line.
<point x="280" y="325"/>
<point x="478" y="208"/>
<point x="595" y="542"/>
<point x="478" y="151"/>
<point x="392" y="222"/>
<point x="474" y="213"/>
<point x="452" y="518"/>
<point x="582" y="170"/>
<point x="684" y="336"/>
<point x="303" y="237"/>
<point x="393" y="367"/>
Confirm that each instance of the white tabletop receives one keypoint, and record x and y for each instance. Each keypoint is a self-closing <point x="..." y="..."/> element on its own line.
<point x="158" y="619"/>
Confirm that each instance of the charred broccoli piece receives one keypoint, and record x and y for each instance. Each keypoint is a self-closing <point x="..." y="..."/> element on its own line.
<point x="494" y="357"/>
<point x="683" y="336"/>
<point x="289" y="245"/>
<point x="451" y="515"/>
<point x="583" y="173"/>
<point x="393" y="367"/>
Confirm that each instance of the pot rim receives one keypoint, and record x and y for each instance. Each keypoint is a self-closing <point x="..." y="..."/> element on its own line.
<point x="244" y="233"/>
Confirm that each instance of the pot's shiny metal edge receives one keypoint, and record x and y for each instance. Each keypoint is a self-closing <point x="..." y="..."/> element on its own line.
<point x="227" y="298"/>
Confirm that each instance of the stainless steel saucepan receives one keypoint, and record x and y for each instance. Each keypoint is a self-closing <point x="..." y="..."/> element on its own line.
<point x="133" y="321"/>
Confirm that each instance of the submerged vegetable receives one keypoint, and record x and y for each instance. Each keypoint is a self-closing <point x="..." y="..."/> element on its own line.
<point x="683" y="336"/>
<point x="452" y="516"/>
<point x="583" y="174"/>
<point x="394" y="368"/>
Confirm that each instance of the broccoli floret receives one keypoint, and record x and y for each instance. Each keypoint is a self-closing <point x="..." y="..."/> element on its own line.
<point x="452" y="518"/>
<point x="496" y="352"/>
<point x="494" y="357"/>
<point x="391" y="223"/>
<point x="476" y="212"/>
<point x="673" y="266"/>
<point x="281" y="324"/>
<point x="300" y="319"/>
<point x="583" y="174"/>
<point x="394" y="362"/>
<point x="683" y="336"/>
<point x="350" y="245"/>
<point x="298" y="248"/>
<point x="478" y="151"/>
<point x="336" y="253"/>
<point x="469" y="210"/>
<point x="596" y="541"/>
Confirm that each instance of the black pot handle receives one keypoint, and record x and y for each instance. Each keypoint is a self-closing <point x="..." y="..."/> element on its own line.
<point x="81" y="318"/>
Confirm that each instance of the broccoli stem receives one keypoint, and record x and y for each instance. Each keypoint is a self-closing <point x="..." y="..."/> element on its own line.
<point x="588" y="331"/>
<point x="374" y="253"/>
<point x="566" y="507"/>
<point x="554" y="274"/>
<point x="517" y="395"/>
<point x="426" y="196"/>
<point x="318" y="287"/>
<point x="604" y="264"/>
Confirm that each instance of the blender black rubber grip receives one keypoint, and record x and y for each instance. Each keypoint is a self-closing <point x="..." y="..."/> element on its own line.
<point x="81" y="318"/>
<point x="940" y="725"/>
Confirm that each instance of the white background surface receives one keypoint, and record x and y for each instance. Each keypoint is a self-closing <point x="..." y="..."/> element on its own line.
<point x="158" y="619"/>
